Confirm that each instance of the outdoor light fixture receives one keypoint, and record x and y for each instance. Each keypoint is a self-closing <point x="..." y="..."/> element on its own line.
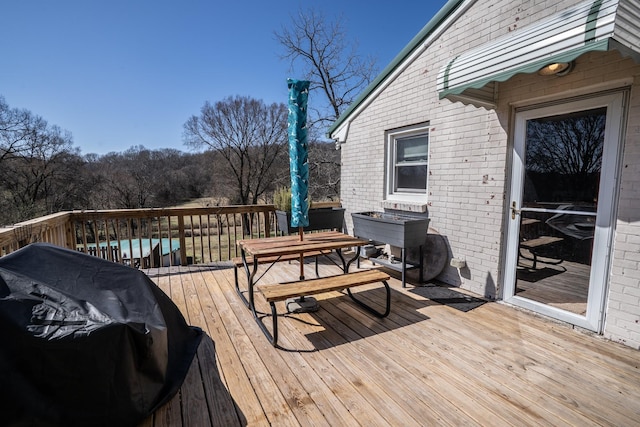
<point x="556" y="68"/>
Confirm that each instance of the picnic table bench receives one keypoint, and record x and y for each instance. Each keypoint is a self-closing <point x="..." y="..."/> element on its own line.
<point x="282" y="291"/>
<point x="533" y="244"/>
<point x="237" y="261"/>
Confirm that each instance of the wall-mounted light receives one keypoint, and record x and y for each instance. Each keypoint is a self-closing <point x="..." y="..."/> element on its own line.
<point x="556" y="68"/>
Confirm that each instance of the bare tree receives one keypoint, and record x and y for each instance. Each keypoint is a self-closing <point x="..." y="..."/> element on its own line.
<point x="129" y="177"/>
<point x="324" y="171"/>
<point x="139" y="177"/>
<point x="565" y="152"/>
<point x="17" y="130"/>
<point x="322" y="53"/>
<point x="40" y="177"/>
<point x="250" y="136"/>
<point x="135" y="177"/>
<point x="571" y="146"/>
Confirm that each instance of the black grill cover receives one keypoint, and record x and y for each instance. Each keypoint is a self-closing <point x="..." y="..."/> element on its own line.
<point x="85" y="341"/>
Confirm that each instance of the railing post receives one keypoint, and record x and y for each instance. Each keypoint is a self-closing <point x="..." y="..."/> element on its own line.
<point x="267" y="223"/>
<point x="183" y="241"/>
<point x="70" y="232"/>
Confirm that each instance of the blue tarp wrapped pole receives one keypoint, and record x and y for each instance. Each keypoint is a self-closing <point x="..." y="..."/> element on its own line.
<point x="298" y="157"/>
<point x="298" y="152"/>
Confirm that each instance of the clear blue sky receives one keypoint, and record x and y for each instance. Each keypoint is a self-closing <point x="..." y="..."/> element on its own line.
<point x="119" y="73"/>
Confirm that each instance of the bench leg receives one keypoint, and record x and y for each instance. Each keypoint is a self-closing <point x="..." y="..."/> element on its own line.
<point x="273" y="339"/>
<point x="274" y="314"/>
<point x="235" y="278"/>
<point x="250" y="280"/>
<point x="371" y="309"/>
<point x="535" y="259"/>
<point x="237" y="283"/>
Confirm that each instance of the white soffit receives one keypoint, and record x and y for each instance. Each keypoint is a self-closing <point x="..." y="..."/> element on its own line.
<point x="598" y="25"/>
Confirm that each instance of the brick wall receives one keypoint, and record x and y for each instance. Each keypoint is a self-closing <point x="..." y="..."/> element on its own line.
<point x="469" y="153"/>
<point x="623" y="311"/>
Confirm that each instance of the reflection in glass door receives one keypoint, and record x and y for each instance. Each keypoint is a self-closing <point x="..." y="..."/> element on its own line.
<point x="560" y="228"/>
<point x="563" y="159"/>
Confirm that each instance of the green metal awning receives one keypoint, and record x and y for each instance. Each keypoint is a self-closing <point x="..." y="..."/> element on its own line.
<point x="589" y="26"/>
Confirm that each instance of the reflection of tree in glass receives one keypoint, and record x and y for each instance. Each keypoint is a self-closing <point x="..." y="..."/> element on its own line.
<point x="567" y="144"/>
<point x="564" y="156"/>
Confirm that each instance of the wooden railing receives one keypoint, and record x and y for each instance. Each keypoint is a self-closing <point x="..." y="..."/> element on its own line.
<point x="55" y="229"/>
<point x="149" y="237"/>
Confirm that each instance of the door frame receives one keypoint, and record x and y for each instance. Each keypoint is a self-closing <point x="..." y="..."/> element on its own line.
<point x="615" y="102"/>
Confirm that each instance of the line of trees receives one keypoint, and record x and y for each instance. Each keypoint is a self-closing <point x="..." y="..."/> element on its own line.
<point x="42" y="172"/>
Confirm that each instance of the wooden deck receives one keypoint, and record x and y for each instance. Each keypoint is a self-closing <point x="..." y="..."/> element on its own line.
<point x="426" y="364"/>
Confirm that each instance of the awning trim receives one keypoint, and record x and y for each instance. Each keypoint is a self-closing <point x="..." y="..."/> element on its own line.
<point x="587" y="27"/>
<point x="531" y="67"/>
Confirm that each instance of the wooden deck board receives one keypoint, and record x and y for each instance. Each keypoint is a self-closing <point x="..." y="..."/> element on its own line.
<point x="447" y="368"/>
<point x="259" y="399"/>
<point x="211" y="408"/>
<point x="527" y="360"/>
<point x="378" y="360"/>
<point x="290" y="383"/>
<point x="425" y="364"/>
<point x="485" y="374"/>
<point x="230" y="363"/>
<point x="361" y="373"/>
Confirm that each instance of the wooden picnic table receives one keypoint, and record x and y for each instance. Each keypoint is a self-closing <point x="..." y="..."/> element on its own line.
<point x="292" y="244"/>
<point x="275" y="249"/>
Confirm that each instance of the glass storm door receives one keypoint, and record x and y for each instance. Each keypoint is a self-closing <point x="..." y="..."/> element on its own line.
<point x="560" y="217"/>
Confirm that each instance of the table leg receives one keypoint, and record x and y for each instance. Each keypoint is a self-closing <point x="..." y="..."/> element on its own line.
<point x="355" y="257"/>
<point x="250" y="283"/>
<point x="250" y="278"/>
<point x="345" y="266"/>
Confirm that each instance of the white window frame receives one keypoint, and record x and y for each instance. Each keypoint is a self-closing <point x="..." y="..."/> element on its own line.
<point x="391" y="137"/>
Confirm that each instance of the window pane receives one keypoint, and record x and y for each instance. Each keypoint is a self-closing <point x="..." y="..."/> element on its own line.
<point x="564" y="158"/>
<point x="412" y="149"/>
<point x="411" y="177"/>
<point x="408" y="161"/>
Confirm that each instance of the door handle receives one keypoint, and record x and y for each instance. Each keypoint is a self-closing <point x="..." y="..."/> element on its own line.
<point x="514" y="210"/>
